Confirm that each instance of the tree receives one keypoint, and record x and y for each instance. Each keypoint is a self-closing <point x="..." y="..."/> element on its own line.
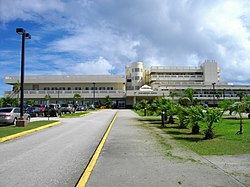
<point x="195" y="115"/>
<point x="241" y="95"/>
<point x="182" y="115"/>
<point x="171" y="110"/>
<point x="188" y="98"/>
<point x="108" y="102"/>
<point x="77" y="96"/>
<point x="47" y="98"/>
<point x="189" y="93"/>
<point x="30" y="102"/>
<point x="8" y="101"/>
<point x="225" y="105"/>
<point x="211" y="115"/>
<point x="173" y="95"/>
<point x="17" y="89"/>
<point x="239" y="108"/>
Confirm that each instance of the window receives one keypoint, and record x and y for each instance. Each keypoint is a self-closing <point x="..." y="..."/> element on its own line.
<point x="78" y="88"/>
<point x="110" y="88"/>
<point x="69" y="88"/>
<point x="87" y="88"/>
<point x="137" y="70"/>
<point x="137" y="78"/>
<point x="129" y="80"/>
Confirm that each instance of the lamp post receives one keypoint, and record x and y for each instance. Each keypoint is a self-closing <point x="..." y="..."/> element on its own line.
<point x="93" y="93"/>
<point x="213" y="92"/>
<point x="21" y="31"/>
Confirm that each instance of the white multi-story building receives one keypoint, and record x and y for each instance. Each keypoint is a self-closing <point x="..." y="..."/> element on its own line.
<point x="138" y="83"/>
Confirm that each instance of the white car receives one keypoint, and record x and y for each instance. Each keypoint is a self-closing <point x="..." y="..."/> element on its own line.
<point x="9" y="115"/>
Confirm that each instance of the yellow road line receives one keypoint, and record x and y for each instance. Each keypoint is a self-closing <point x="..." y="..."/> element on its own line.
<point x="6" y="138"/>
<point x="85" y="176"/>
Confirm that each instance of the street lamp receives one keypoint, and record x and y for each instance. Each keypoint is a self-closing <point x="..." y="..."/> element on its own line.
<point x="213" y="92"/>
<point x="93" y="93"/>
<point x="21" y="31"/>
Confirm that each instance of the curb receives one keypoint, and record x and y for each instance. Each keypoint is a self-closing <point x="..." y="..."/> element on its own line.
<point x="6" y="138"/>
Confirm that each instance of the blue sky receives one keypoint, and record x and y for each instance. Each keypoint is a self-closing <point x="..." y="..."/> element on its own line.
<point x="102" y="36"/>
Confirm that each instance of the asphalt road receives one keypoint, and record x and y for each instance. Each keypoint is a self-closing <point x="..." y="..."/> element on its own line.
<point x="55" y="156"/>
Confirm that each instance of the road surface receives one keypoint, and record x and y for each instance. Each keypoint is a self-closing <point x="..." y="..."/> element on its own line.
<point x="55" y="156"/>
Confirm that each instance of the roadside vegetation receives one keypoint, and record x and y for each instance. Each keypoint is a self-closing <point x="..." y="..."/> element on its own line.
<point x="12" y="129"/>
<point x="74" y="115"/>
<point x="206" y="130"/>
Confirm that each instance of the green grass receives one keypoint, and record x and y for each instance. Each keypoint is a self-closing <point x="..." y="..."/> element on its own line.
<point x="226" y="142"/>
<point x="10" y="130"/>
<point x="74" y="115"/>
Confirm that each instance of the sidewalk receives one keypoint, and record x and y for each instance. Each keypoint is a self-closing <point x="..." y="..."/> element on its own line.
<point x="132" y="157"/>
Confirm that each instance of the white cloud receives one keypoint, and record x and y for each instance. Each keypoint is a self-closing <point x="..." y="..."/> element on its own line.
<point x="27" y="9"/>
<point x="101" y="66"/>
<point x="160" y="32"/>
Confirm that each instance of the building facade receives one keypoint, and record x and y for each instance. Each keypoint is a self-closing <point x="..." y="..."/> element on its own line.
<point x="138" y="83"/>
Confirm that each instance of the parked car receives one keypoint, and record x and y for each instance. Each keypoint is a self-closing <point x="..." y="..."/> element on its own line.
<point x="42" y="107"/>
<point x="67" y="108"/>
<point x="52" y="110"/>
<point x="81" y="108"/>
<point x="9" y="115"/>
<point x="34" y="111"/>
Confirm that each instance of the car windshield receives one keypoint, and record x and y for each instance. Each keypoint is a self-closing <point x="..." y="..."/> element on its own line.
<point x="32" y="108"/>
<point x="5" y="110"/>
<point x="64" y="105"/>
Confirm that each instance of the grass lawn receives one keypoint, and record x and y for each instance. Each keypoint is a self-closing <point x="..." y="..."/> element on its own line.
<point x="10" y="130"/>
<point x="74" y="115"/>
<point x="226" y="142"/>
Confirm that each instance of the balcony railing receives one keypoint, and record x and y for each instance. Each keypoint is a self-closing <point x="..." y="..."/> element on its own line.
<point x="69" y="93"/>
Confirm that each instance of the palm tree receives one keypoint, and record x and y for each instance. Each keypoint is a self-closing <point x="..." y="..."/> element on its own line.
<point x="195" y="115"/>
<point x="173" y="95"/>
<point x="189" y="93"/>
<point x="211" y="115"/>
<point x="225" y="105"/>
<point x="171" y="110"/>
<point x="17" y="89"/>
<point x="47" y="98"/>
<point x="108" y="102"/>
<point x="182" y="115"/>
<point x="188" y="98"/>
<point x="241" y="95"/>
<point x="239" y="108"/>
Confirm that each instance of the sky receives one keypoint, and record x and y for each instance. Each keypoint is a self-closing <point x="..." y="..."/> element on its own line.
<point x="103" y="36"/>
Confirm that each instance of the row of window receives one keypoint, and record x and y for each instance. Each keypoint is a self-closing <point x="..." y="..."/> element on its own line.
<point x="192" y="73"/>
<point x="136" y="78"/>
<point x="136" y="70"/>
<point x="79" y="88"/>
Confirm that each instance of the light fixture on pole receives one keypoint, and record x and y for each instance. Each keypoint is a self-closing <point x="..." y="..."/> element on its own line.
<point x="213" y="93"/>
<point x="22" y="122"/>
<point x="93" y="93"/>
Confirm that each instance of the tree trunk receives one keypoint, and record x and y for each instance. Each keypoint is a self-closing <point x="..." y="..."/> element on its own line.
<point x="241" y="127"/>
<point x="171" y="120"/>
<point x="196" y="129"/>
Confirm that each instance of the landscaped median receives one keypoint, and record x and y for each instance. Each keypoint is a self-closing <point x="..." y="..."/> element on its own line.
<point x="75" y="115"/>
<point x="11" y="132"/>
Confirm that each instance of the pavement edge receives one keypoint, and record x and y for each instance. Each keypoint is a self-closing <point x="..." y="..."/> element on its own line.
<point x="6" y="138"/>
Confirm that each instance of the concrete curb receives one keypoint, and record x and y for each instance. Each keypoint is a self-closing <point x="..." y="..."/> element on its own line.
<point x="6" y="138"/>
